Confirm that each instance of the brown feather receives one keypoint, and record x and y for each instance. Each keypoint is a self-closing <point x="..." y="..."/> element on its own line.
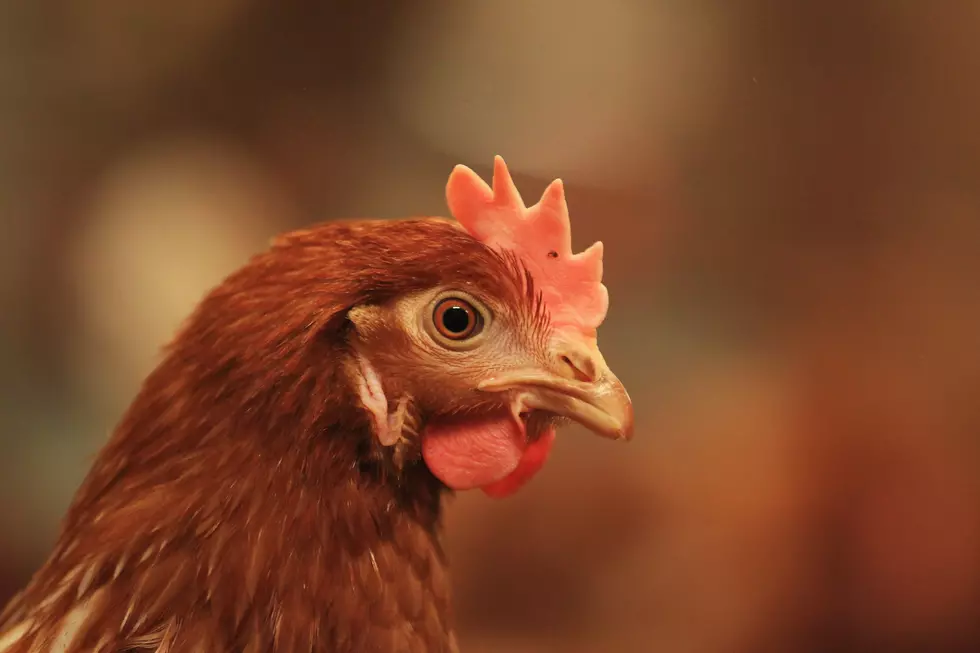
<point x="242" y="504"/>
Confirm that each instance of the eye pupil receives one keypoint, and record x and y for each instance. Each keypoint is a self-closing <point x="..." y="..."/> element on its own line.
<point x="456" y="319"/>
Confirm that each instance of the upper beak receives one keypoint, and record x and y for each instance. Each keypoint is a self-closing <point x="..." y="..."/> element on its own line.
<point x="581" y="387"/>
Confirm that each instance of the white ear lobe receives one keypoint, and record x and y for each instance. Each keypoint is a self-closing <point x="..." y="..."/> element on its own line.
<point x="387" y="426"/>
<point x="372" y="395"/>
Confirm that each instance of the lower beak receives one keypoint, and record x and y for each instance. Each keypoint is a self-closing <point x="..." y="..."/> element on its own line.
<point x="583" y="389"/>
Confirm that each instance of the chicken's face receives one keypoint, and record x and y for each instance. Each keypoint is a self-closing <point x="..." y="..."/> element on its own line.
<point x="480" y="376"/>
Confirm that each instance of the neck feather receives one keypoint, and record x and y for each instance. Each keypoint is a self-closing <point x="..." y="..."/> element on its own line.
<point x="254" y="519"/>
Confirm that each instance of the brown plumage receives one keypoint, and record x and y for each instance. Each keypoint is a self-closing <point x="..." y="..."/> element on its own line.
<point x="249" y="500"/>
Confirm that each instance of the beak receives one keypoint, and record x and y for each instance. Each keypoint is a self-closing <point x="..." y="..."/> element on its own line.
<point x="581" y="387"/>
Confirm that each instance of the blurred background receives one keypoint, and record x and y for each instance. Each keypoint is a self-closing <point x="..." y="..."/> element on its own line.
<point x="789" y="197"/>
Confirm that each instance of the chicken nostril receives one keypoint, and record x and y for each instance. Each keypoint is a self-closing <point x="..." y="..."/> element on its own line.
<point x="585" y="372"/>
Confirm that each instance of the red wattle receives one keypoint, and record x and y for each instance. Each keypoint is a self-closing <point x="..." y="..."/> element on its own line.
<point x="490" y="453"/>
<point x="468" y="453"/>
<point x="533" y="459"/>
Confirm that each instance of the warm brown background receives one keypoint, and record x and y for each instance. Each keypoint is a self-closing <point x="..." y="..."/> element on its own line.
<point x="789" y="196"/>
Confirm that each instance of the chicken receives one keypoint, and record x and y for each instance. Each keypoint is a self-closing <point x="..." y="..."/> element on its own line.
<point x="277" y="483"/>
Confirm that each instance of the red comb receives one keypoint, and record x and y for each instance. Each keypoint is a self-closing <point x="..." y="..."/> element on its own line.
<point x="570" y="284"/>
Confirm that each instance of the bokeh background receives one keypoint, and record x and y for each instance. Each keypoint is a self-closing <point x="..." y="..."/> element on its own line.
<point x="789" y="196"/>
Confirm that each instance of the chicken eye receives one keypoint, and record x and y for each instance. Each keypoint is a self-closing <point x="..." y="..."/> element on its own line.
<point x="456" y="319"/>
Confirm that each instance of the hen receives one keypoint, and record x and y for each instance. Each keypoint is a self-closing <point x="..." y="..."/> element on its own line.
<point x="276" y="485"/>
